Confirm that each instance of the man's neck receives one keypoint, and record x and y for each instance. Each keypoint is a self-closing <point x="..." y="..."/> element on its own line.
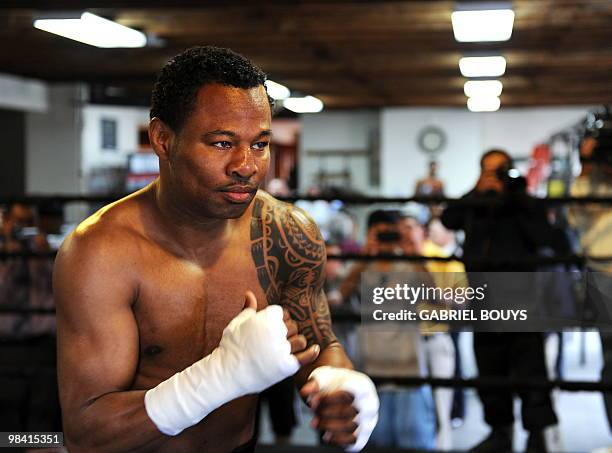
<point x="193" y="233"/>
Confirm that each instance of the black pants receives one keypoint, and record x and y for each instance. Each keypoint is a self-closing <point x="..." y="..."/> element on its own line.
<point x="518" y="355"/>
<point x="606" y="372"/>
<point x="280" y="398"/>
<point x="28" y="386"/>
<point x="458" y="408"/>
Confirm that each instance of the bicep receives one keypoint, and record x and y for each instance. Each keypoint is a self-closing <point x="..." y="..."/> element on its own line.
<point x="97" y="331"/>
<point x="290" y="256"/>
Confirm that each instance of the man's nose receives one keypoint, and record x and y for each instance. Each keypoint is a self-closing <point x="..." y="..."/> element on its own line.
<point x="243" y="163"/>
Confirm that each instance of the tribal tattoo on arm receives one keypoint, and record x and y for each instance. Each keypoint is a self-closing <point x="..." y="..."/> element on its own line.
<point x="289" y="254"/>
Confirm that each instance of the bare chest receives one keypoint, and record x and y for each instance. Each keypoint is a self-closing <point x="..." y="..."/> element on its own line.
<point x="183" y="307"/>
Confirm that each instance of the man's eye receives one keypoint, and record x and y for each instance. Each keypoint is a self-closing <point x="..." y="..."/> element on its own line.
<point x="260" y="145"/>
<point x="222" y="144"/>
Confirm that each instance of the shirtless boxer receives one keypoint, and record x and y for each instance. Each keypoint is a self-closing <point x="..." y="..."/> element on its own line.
<point x="169" y="300"/>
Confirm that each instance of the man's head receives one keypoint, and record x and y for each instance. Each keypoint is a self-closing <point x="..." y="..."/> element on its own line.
<point x="210" y="127"/>
<point x="175" y="92"/>
<point x="17" y="216"/>
<point x="497" y="174"/>
<point x="433" y="169"/>
<point x="383" y="230"/>
<point x="494" y="159"/>
<point x="51" y="217"/>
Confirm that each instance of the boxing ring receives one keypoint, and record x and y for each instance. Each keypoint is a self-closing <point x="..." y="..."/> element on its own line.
<point x="351" y="316"/>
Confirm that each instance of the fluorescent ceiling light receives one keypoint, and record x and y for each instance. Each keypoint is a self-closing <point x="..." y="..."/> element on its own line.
<point x="483" y="104"/>
<point x="308" y="104"/>
<point x="93" y="30"/>
<point x="482" y="66"/>
<point x="482" y="88"/>
<point x="277" y="91"/>
<point x="483" y="25"/>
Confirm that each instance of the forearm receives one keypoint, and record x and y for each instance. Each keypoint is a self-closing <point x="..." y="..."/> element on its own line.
<point x="115" y="422"/>
<point x="333" y="355"/>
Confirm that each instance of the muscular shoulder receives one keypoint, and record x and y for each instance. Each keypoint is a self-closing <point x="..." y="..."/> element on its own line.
<point x="102" y="248"/>
<point x="285" y="242"/>
<point x="108" y="230"/>
<point x="289" y="229"/>
<point x="289" y="253"/>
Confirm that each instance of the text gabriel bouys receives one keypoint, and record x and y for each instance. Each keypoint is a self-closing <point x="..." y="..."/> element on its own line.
<point x="451" y="315"/>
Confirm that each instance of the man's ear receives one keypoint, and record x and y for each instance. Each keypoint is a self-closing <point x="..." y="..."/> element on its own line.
<point x="161" y="137"/>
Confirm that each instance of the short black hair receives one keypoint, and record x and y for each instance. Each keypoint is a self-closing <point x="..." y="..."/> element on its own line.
<point x="386" y="216"/>
<point x="178" y="82"/>
<point x="500" y="152"/>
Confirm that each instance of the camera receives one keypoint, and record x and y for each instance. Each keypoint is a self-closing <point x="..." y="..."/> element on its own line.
<point x="512" y="179"/>
<point x="388" y="236"/>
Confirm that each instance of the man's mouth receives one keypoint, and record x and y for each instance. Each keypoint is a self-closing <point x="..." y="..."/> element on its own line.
<point x="239" y="194"/>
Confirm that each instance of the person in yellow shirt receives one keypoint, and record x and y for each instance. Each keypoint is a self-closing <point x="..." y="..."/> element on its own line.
<point x="439" y="348"/>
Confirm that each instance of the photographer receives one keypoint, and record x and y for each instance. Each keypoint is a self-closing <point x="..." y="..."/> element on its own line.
<point x="407" y="414"/>
<point x="27" y="341"/>
<point x="593" y="223"/>
<point x="497" y="236"/>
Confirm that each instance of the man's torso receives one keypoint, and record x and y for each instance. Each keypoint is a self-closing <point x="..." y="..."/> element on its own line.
<point x="183" y="303"/>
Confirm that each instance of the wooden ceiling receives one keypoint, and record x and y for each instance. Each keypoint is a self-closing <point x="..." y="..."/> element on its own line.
<point x="351" y="54"/>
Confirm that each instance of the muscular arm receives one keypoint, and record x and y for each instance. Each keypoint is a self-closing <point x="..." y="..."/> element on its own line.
<point x="98" y="348"/>
<point x="289" y="253"/>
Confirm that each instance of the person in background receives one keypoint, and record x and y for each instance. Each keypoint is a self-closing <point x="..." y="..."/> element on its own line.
<point x="27" y="342"/>
<point x="335" y="272"/>
<point x="593" y="223"/>
<point x="280" y="400"/>
<point x="441" y="236"/>
<point x="431" y="185"/>
<point x="344" y="231"/>
<point x="407" y="414"/>
<point x="512" y="229"/>
<point x="439" y="350"/>
<point x="445" y="239"/>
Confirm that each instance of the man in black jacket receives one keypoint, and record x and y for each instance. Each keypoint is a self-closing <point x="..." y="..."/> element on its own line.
<point x="497" y="237"/>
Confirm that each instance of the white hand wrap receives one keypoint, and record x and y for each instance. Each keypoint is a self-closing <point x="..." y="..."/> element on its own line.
<point x="253" y="354"/>
<point x="365" y="401"/>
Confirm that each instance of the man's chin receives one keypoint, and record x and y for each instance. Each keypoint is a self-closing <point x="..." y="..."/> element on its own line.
<point x="235" y="210"/>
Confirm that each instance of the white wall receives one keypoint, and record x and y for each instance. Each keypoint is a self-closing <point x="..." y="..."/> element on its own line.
<point x="336" y="131"/>
<point x="64" y="143"/>
<point x="19" y="93"/>
<point x="518" y="130"/>
<point x="128" y="120"/>
<point x="468" y="136"/>
<point x="53" y="143"/>
<point x="403" y="163"/>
